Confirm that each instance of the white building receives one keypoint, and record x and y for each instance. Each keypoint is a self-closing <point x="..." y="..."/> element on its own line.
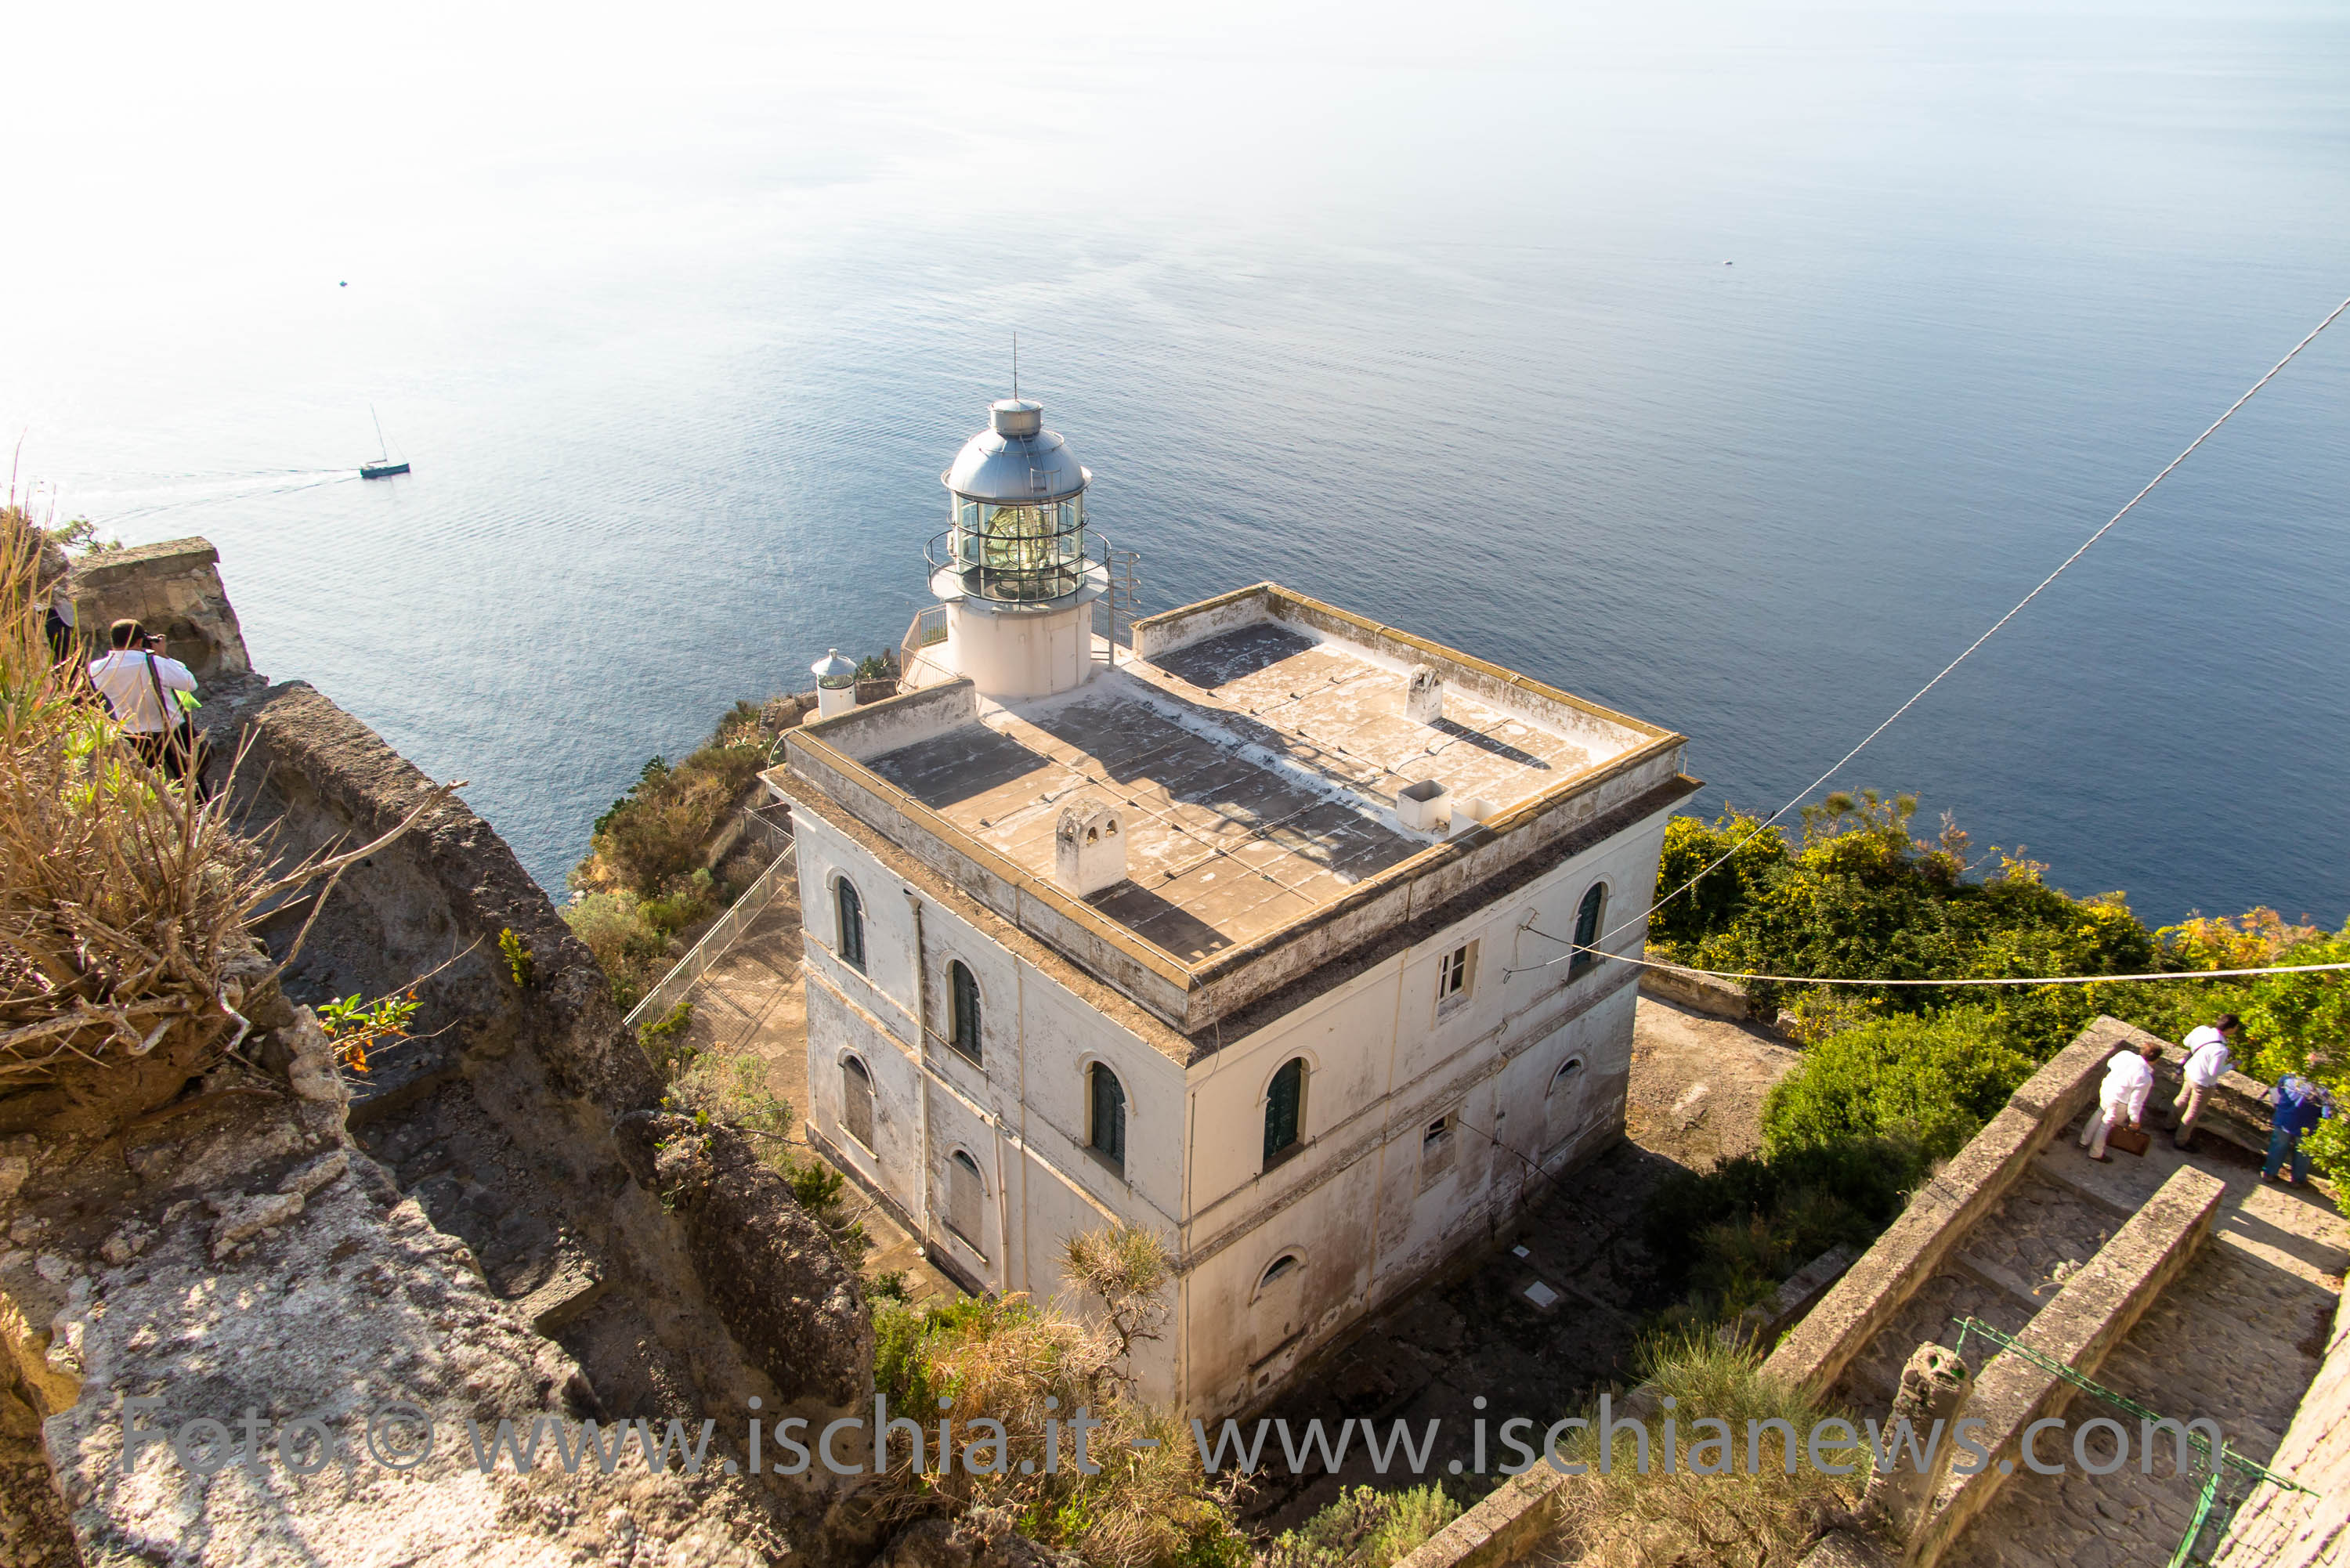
<point x="1242" y="937"/>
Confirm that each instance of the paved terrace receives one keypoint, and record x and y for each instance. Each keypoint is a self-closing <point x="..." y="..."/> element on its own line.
<point x="2238" y="1336"/>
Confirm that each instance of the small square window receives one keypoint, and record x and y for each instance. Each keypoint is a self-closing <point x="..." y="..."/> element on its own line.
<point x="1456" y="977"/>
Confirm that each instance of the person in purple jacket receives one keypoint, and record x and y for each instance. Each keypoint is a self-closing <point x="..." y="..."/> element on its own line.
<point x="2301" y="1103"/>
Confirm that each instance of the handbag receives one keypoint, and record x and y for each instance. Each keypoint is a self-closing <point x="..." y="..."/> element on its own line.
<point x="2129" y="1140"/>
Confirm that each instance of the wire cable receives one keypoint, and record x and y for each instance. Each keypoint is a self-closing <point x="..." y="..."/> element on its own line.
<point x="1920" y="694"/>
<point x="1832" y="980"/>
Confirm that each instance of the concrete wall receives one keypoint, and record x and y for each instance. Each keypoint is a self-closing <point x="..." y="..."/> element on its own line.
<point x="1699" y="993"/>
<point x="864" y="732"/>
<point x="2280" y="1528"/>
<point x="174" y="589"/>
<point x="1016" y="655"/>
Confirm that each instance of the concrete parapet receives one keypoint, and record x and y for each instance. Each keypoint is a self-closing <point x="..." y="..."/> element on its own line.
<point x="2280" y="1528"/>
<point x="1817" y="1352"/>
<point x="1502" y="1529"/>
<point x="174" y="589"/>
<point x="2085" y="1320"/>
<point x="1698" y="993"/>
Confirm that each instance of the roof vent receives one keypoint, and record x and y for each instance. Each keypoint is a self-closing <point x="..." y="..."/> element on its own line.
<point x="1015" y="417"/>
<point x="1425" y="806"/>
<point x="1089" y="848"/>
<point x="1423" y="695"/>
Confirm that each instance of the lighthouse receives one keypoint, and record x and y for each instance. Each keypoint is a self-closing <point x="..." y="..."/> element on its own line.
<point x="1015" y="568"/>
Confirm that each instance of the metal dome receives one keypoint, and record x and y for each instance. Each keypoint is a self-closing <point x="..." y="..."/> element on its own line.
<point x="1015" y="459"/>
<point x="833" y="671"/>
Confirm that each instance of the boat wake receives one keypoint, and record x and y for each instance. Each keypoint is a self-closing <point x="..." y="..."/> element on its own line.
<point x="187" y="492"/>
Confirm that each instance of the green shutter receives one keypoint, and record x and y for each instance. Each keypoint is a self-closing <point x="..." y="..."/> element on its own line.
<point x="966" y="1010"/>
<point x="1281" y="1106"/>
<point x="1109" y="1116"/>
<point x="1587" y="930"/>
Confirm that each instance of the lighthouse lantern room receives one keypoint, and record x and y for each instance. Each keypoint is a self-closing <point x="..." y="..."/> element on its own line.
<point x="1017" y="567"/>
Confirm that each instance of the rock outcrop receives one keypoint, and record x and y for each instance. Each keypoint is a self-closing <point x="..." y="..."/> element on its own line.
<point x="456" y="1228"/>
<point x="174" y="590"/>
<point x="770" y="1273"/>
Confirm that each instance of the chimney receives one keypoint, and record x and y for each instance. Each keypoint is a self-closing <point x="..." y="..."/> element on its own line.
<point x="1088" y="848"/>
<point x="1423" y="695"/>
<point x="1425" y="806"/>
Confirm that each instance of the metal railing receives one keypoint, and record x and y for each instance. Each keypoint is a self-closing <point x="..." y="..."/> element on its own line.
<point x="2234" y="1477"/>
<point x="1019" y="569"/>
<point x="1115" y="612"/>
<point x="915" y="666"/>
<point x="671" y="988"/>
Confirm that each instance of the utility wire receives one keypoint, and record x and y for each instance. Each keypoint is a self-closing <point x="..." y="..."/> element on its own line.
<point x="1832" y="980"/>
<point x="1920" y="694"/>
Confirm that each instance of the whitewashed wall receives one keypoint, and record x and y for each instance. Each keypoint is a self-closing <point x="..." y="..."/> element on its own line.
<point x="1354" y="1203"/>
<point x="1021" y="1112"/>
<point x="1381" y="1065"/>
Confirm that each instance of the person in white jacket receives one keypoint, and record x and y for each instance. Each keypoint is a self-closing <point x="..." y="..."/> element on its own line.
<point x="2208" y="1059"/>
<point x="2129" y="1078"/>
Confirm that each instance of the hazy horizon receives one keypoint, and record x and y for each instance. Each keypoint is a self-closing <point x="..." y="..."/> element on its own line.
<point x="679" y="320"/>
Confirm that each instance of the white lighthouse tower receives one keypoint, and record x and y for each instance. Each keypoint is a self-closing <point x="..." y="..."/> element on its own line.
<point x="1014" y="568"/>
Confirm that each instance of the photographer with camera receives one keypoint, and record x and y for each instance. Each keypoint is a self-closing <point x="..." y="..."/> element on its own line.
<point x="152" y="697"/>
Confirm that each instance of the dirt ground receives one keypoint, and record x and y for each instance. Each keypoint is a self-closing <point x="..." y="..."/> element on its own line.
<point x="751" y="1004"/>
<point x="1475" y="1333"/>
<point x="1697" y="1083"/>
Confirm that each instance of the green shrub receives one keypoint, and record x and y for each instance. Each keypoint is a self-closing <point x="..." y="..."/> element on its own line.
<point x="521" y="964"/>
<point x="1365" y="1529"/>
<point x="1930" y="1082"/>
<point x="658" y="831"/>
<point x="1859" y="896"/>
<point x="630" y="949"/>
<point x="1846" y="1137"/>
<point x="685" y="903"/>
<point x="1731" y="1234"/>
<point x="1003" y="1358"/>
<point x="1666" y="1511"/>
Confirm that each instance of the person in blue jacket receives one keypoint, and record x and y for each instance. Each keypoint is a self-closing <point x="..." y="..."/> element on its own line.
<point x="2301" y="1103"/>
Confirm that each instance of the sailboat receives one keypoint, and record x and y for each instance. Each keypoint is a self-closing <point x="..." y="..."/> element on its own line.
<point x="383" y="467"/>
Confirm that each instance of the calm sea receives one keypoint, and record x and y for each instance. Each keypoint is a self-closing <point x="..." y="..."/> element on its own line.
<point x="1732" y="368"/>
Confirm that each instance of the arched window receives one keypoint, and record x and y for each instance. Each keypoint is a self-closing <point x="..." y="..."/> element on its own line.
<point x="1569" y="1074"/>
<point x="963" y="999"/>
<point x="1106" y="1116"/>
<point x="1587" y="928"/>
<point x="1284" y="1104"/>
<point x="849" y="909"/>
<point x="1278" y="1267"/>
<point x="857" y="1101"/>
<point x="963" y="1199"/>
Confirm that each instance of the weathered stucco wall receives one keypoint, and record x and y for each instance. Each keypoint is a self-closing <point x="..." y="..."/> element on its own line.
<point x="1532" y="1062"/>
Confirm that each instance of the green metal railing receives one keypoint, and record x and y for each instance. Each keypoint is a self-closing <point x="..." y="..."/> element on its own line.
<point x="2233" y="1480"/>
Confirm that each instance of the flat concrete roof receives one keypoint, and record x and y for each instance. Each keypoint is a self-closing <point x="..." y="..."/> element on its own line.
<point x="1256" y="769"/>
<point x="1255" y="744"/>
